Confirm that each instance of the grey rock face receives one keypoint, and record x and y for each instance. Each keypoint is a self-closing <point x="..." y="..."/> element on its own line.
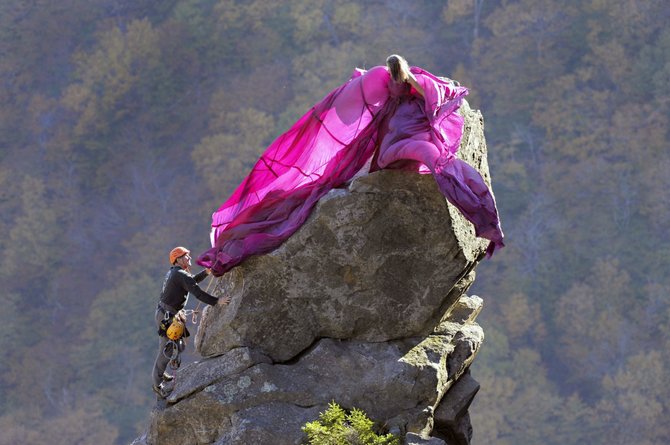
<point x="223" y="399"/>
<point x="365" y="305"/>
<point x="373" y="263"/>
<point x="415" y="439"/>
<point x="452" y="421"/>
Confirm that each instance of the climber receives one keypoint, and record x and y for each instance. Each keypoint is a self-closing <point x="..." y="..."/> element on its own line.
<point x="177" y="284"/>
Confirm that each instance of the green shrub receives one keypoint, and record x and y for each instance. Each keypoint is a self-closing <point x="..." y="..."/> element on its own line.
<point x="337" y="427"/>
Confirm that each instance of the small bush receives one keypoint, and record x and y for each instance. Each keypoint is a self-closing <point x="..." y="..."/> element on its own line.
<point x="336" y="427"/>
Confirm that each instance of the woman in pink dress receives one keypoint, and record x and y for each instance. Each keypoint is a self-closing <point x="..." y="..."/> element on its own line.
<point x="402" y="117"/>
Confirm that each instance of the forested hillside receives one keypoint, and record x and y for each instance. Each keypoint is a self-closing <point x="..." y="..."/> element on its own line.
<point x="125" y="123"/>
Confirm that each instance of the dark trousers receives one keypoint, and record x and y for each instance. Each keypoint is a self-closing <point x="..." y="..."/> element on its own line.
<point x="161" y="360"/>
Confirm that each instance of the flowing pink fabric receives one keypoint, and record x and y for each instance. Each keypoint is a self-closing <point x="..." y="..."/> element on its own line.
<point x="369" y="115"/>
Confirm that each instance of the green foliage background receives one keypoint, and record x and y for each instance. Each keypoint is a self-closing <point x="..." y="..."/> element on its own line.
<point x="125" y="123"/>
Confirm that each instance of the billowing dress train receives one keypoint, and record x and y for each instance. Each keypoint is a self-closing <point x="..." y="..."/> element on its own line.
<point x="369" y="116"/>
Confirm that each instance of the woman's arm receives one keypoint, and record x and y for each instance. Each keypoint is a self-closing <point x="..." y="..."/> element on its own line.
<point x="412" y="81"/>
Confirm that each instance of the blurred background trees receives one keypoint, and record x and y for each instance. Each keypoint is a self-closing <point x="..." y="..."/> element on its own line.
<point x="124" y="124"/>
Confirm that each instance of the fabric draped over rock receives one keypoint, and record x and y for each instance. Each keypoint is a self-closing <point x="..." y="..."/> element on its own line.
<point x="368" y="116"/>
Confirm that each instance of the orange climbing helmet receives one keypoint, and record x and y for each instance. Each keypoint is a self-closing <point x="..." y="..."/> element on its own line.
<point x="177" y="252"/>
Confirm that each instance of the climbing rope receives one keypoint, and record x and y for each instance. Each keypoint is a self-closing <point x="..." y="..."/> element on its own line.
<point x="194" y="313"/>
<point x="171" y="352"/>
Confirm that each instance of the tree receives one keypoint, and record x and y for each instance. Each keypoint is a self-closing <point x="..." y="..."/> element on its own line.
<point x="454" y="11"/>
<point x="224" y="159"/>
<point x="335" y="426"/>
<point x="36" y="235"/>
<point x="107" y="77"/>
<point x="518" y="403"/>
<point x="78" y="426"/>
<point x="528" y="40"/>
<point x="594" y="336"/>
<point x="635" y="402"/>
<point x="118" y="349"/>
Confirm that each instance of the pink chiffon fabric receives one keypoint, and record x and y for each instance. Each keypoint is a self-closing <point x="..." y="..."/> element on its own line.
<point x="368" y="116"/>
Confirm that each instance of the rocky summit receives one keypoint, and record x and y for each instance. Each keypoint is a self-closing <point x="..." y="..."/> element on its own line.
<point x="365" y="305"/>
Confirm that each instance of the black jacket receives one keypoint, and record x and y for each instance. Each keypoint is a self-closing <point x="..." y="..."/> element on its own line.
<point x="178" y="283"/>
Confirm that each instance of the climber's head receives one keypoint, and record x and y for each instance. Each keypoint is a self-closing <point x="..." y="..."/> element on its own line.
<point x="180" y="256"/>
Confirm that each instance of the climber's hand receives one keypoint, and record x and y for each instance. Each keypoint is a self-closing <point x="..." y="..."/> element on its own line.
<point x="224" y="300"/>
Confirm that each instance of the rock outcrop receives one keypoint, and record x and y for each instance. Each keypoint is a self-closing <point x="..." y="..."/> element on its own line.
<point x="365" y="305"/>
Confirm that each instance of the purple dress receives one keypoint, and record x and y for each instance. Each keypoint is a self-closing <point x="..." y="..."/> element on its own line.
<point x="370" y="115"/>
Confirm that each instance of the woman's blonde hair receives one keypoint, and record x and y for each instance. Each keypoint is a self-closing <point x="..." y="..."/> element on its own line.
<point x="398" y="67"/>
